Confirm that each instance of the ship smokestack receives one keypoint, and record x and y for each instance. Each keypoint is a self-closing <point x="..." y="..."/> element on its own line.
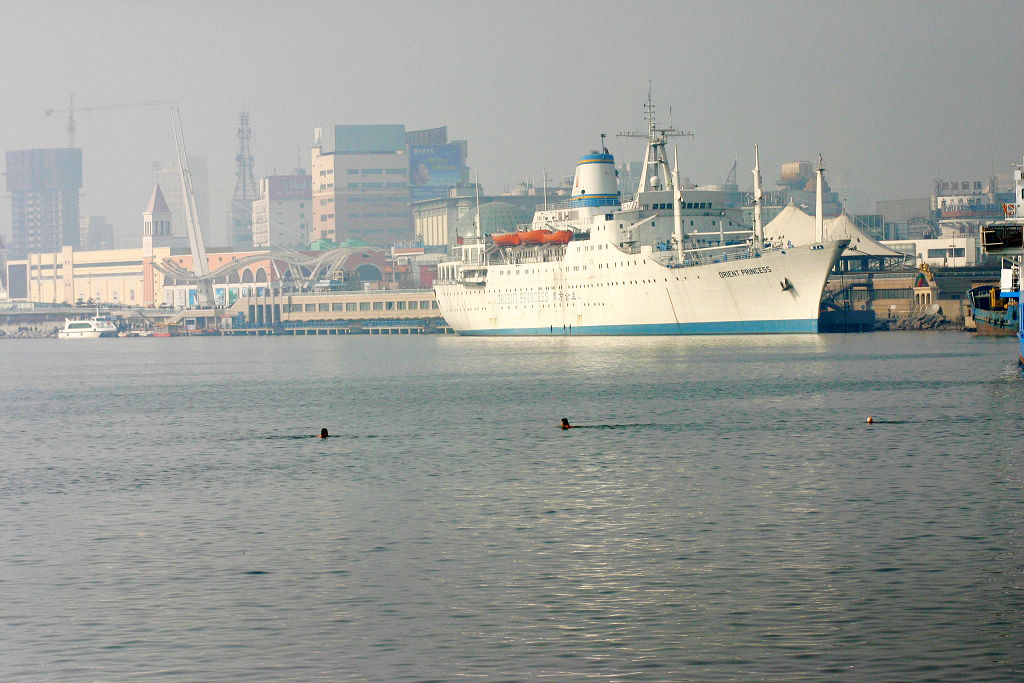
<point x="594" y="183"/>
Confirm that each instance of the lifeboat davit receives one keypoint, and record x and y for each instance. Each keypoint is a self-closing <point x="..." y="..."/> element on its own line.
<point x="506" y="239"/>
<point x="558" y="237"/>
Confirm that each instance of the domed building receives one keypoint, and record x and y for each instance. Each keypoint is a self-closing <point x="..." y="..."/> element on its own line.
<point x="494" y="217"/>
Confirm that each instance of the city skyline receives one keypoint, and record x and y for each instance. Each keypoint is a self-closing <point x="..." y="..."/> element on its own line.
<point x="893" y="95"/>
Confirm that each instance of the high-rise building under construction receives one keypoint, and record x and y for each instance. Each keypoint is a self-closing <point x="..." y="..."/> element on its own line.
<point x="44" y="186"/>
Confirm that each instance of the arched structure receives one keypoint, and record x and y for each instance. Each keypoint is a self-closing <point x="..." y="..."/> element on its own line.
<point x="369" y="272"/>
<point x="280" y="266"/>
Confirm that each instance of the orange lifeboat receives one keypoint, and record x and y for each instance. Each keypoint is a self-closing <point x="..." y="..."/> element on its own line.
<point x="558" y="237"/>
<point x="532" y="236"/>
<point x="506" y="239"/>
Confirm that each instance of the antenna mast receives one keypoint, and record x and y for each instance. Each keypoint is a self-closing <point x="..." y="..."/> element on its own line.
<point x="245" y="187"/>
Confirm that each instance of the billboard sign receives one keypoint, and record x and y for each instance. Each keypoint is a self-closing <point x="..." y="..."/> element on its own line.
<point x="433" y="169"/>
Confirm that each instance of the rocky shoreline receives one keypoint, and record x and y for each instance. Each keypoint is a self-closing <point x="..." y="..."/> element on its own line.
<point x="39" y="331"/>
<point x="919" y="322"/>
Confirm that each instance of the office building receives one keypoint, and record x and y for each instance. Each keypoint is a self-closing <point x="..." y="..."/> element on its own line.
<point x="360" y="184"/>
<point x="283" y="214"/>
<point x="44" y="186"/>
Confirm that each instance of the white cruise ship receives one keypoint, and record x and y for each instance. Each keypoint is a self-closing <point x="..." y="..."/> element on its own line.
<point x="663" y="261"/>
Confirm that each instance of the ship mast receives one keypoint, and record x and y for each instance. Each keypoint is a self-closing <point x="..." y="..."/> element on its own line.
<point x="479" y="233"/>
<point x="758" y="202"/>
<point x="656" y="170"/>
<point x="819" y="214"/>
<point x="677" y="208"/>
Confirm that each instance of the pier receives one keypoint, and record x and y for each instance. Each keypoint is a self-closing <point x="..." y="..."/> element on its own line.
<point x="338" y="327"/>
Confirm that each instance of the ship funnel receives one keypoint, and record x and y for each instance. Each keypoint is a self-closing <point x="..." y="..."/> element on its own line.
<point x="595" y="183"/>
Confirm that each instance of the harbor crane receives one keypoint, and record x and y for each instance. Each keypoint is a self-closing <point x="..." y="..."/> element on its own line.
<point x="70" y="127"/>
<point x="200" y="266"/>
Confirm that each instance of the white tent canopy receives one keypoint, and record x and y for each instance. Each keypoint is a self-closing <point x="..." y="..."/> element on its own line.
<point x="794" y="226"/>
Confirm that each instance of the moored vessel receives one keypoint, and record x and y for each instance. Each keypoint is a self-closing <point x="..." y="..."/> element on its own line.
<point x="665" y="260"/>
<point x="994" y="315"/>
<point x="90" y="328"/>
<point x="1005" y="239"/>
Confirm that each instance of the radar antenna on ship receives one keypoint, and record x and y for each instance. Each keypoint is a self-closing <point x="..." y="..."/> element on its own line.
<point x="656" y="170"/>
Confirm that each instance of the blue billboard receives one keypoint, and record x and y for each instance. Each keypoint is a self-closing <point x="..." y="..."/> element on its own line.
<point x="433" y="169"/>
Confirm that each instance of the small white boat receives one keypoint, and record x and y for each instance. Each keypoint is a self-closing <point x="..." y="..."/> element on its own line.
<point x="91" y="328"/>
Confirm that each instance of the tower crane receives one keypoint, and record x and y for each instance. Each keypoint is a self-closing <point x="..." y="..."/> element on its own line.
<point x="71" y="109"/>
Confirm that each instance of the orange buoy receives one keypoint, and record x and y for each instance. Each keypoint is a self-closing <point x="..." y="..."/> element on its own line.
<point x="870" y="420"/>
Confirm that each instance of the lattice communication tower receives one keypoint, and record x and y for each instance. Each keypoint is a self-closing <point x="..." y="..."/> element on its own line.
<point x="245" y="181"/>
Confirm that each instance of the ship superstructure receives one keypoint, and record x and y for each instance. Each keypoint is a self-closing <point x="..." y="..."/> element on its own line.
<point x="665" y="260"/>
<point x="1005" y="238"/>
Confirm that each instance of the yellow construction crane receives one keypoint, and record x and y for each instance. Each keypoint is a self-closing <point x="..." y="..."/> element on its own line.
<point x="71" y="109"/>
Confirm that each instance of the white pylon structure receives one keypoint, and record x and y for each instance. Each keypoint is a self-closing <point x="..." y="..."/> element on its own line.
<point x="819" y="213"/>
<point x="758" y="202"/>
<point x="200" y="266"/>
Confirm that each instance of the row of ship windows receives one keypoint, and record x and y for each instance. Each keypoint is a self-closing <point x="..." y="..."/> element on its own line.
<point x="686" y="205"/>
<point x="530" y="271"/>
<point x="713" y="223"/>
<point x="586" y="286"/>
<point x="553" y="306"/>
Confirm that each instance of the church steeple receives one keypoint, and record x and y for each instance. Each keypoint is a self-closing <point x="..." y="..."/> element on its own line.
<point x="156" y="232"/>
<point x="156" y="223"/>
<point x="156" y="219"/>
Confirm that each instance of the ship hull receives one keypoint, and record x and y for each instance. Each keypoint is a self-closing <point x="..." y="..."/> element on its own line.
<point x="994" y="316"/>
<point x="715" y="328"/>
<point x="595" y="289"/>
<point x="996" y="325"/>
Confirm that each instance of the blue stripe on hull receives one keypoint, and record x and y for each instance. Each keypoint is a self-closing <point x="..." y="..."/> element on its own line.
<point x="737" y="327"/>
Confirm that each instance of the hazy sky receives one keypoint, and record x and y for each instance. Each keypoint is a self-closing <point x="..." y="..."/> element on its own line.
<point x="891" y="93"/>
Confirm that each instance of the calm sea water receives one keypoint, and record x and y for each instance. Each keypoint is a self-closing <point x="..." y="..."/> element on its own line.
<point x="724" y="513"/>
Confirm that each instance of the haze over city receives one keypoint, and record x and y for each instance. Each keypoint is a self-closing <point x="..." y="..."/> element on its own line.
<point x="892" y="94"/>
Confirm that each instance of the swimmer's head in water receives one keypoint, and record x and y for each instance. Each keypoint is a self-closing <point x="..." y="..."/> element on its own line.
<point x="565" y="423"/>
<point x="323" y="433"/>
